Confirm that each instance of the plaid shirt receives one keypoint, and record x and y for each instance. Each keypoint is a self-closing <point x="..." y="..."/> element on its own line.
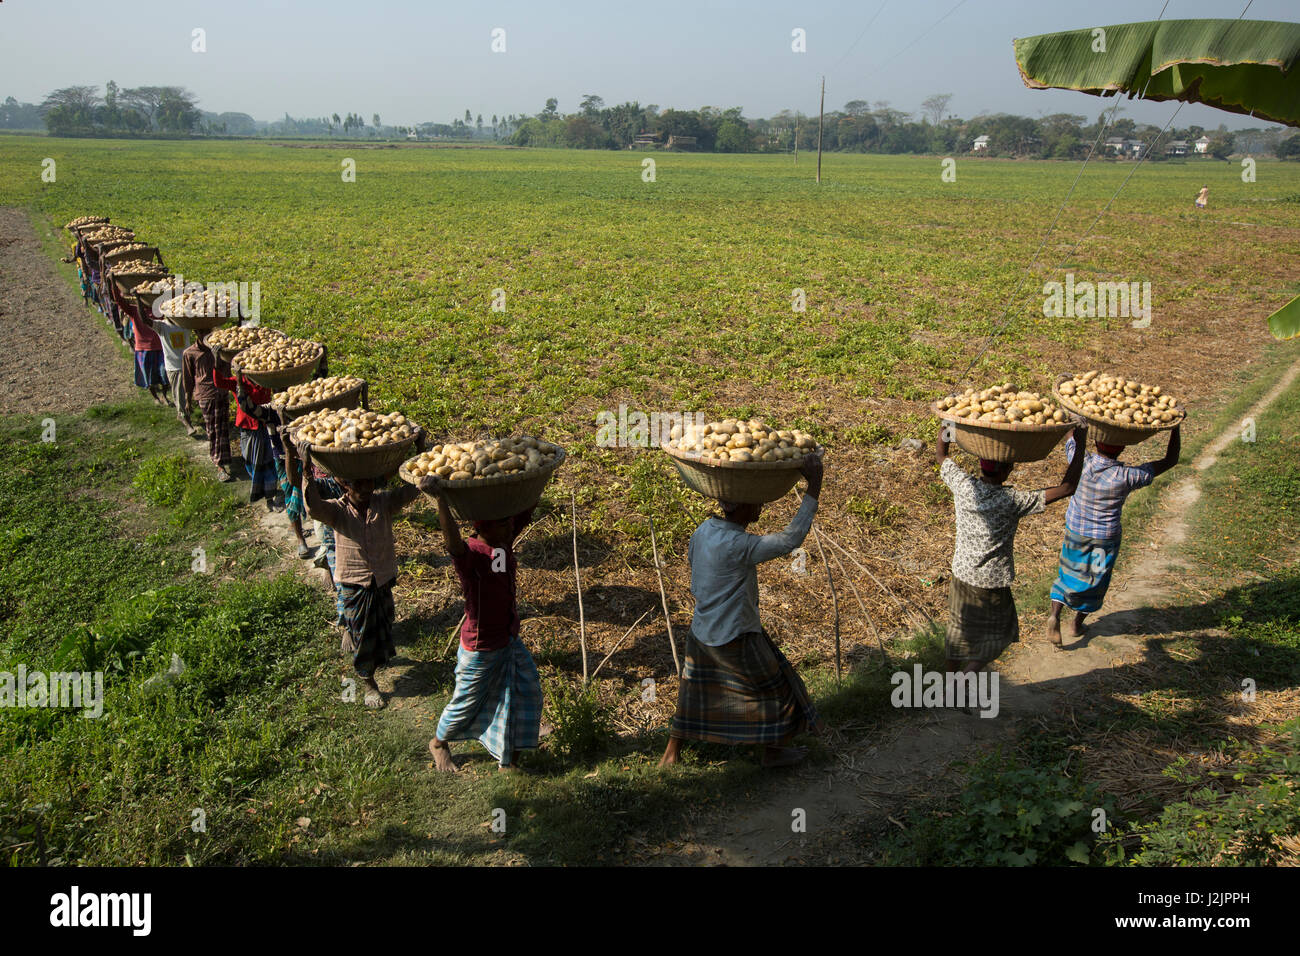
<point x="1095" y="507"/>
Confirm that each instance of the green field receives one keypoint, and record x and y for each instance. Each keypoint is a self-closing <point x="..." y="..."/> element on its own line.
<point x="667" y="296"/>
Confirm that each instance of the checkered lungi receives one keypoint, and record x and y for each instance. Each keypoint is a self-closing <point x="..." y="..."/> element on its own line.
<point x="368" y="614"/>
<point x="981" y="622"/>
<point x="497" y="701"/>
<point x="742" y="692"/>
<point x="216" y="421"/>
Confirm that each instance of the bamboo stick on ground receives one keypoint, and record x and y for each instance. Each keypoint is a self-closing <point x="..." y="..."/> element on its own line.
<point x="862" y="604"/>
<point x="618" y="642"/>
<point x="835" y="604"/>
<point x="577" y="576"/>
<point x="668" y="621"/>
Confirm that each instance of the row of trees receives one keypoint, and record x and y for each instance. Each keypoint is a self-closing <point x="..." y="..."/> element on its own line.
<point x="859" y="126"/>
<point x="81" y="111"/>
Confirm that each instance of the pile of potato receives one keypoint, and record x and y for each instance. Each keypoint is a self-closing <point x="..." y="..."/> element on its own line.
<point x="1119" y="400"/>
<point x="85" y="221"/>
<point x="349" y="428"/>
<point x="317" y="390"/>
<point x="109" y="234"/>
<point x="1003" y="404"/>
<point x="237" y="338"/>
<point x="277" y="355"/>
<point x="483" y="459"/>
<point x="742" y="441"/>
<point x="165" y="284"/>
<point x="200" y="302"/>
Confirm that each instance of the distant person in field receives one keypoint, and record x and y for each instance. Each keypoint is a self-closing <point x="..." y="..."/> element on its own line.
<point x="736" y="685"/>
<point x="365" y="564"/>
<point x="1203" y="197"/>
<point x="1092" y="529"/>
<point x="498" y="695"/>
<point x="197" y="367"/>
<point x="254" y="437"/>
<point x="982" y="613"/>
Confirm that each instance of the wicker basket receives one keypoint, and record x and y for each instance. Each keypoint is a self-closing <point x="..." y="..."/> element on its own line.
<point x="1005" y="441"/>
<point x="353" y="464"/>
<point x="111" y="259"/>
<point x="744" y="482"/>
<point x="282" y="378"/>
<point x="126" y="281"/>
<point x="494" y="497"/>
<point x="346" y="399"/>
<point x="88" y="227"/>
<point x="195" y="323"/>
<point x="1109" y="433"/>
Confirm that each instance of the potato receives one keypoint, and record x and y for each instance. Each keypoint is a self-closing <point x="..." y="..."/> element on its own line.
<point x="1002" y="404"/>
<point x="1113" y="398"/>
<point x="317" y="390"/>
<point x="241" y="337"/>
<point x="197" y="302"/>
<point x="743" y="441"/>
<point x="277" y="354"/>
<point x="483" y="459"/>
<point x="85" y="221"/>
<point x="347" y="428"/>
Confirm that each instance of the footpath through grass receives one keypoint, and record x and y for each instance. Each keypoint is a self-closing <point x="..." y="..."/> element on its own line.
<point x="1192" y="754"/>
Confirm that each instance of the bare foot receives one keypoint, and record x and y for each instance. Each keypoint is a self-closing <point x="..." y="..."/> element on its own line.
<point x="442" y="756"/>
<point x="1054" y="631"/>
<point x="783" y="756"/>
<point x="1077" y="627"/>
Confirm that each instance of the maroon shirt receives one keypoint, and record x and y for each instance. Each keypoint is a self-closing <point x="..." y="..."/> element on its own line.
<point x="491" y="615"/>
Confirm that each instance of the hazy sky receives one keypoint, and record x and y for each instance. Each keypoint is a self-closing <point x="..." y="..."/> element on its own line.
<point x="414" y="61"/>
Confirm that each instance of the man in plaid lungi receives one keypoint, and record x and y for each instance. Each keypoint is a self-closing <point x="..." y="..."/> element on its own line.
<point x="197" y="367"/>
<point x="498" y="695"/>
<point x="736" y="686"/>
<point x="1092" y="529"/>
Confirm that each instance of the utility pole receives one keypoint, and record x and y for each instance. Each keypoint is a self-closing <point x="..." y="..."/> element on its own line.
<point x="796" y="141"/>
<point x="821" y="112"/>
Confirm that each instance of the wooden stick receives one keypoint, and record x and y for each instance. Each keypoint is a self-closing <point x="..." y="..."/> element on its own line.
<point x="862" y="604"/>
<point x="929" y="620"/>
<point x="620" y="641"/>
<point x="821" y="115"/>
<point x="654" y="547"/>
<point x="835" y="604"/>
<point x="577" y="576"/>
<point x="454" y="635"/>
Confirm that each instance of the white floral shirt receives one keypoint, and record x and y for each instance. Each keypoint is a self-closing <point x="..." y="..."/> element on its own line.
<point x="987" y="518"/>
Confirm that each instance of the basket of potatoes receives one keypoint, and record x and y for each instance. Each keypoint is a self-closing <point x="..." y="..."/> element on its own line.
<point x="279" y="363"/>
<point x="1119" y="411"/>
<point x="129" y="275"/>
<point x="86" y="223"/>
<point x="739" y="460"/>
<point x="490" y="479"/>
<point x="353" y="443"/>
<point x="120" y="258"/>
<point x="232" y="340"/>
<point x="337" y="391"/>
<point x="198" y="310"/>
<point x="1005" y="423"/>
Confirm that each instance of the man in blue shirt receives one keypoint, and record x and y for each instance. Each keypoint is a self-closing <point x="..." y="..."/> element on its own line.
<point x="1092" y="529"/>
<point x="737" y="687"/>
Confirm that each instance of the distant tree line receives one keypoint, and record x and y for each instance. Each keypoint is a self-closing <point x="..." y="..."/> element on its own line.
<point x="859" y="126"/>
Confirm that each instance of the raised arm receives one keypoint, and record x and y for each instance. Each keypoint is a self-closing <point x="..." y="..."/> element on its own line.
<point x="450" y="530"/>
<point x="941" y="445"/>
<point x="1070" y="480"/>
<point x="1171" y="453"/>
<point x="764" y="547"/>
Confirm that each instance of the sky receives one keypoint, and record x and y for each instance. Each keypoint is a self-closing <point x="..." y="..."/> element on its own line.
<point x="413" y="61"/>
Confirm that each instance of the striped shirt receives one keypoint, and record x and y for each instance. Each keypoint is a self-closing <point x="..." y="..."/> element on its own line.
<point x="1094" y="509"/>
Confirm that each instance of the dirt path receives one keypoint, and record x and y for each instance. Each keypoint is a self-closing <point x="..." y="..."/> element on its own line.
<point x="51" y="358"/>
<point x="1035" y="680"/>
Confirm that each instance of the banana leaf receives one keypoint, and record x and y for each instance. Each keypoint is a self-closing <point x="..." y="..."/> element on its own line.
<point x="1242" y="66"/>
<point x="1285" y="322"/>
